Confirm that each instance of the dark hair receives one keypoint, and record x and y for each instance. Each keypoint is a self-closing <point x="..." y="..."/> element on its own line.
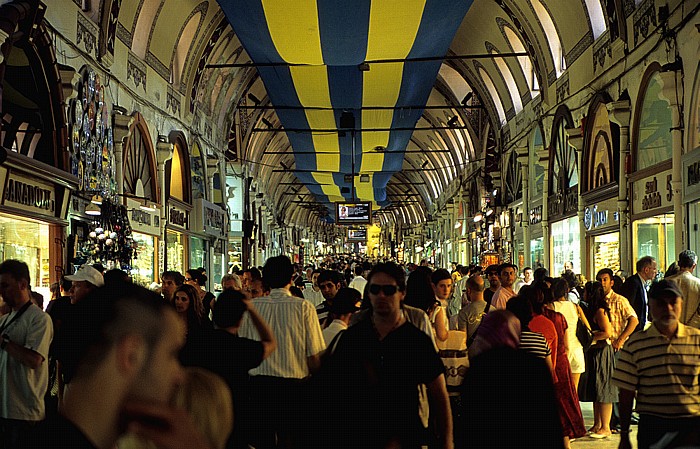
<point x="229" y="309"/>
<point x="65" y="284"/>
<point x="256" y="274"/>
<point x="99" y="267"/>
<point x="102" y="320"/>
<point x="521" y="307"/>
<point x="440" y="275"/>
<point x="644" y="262"/>
<point x="278" y="271"/>
<point x="503" y="266"/>
<point x="392" y="270"/>
<point x="15" y="268"/>
<point x="687" y="258"/>
<point x="535" y="294"/>
<point x="115" y="275"/>
<point x="560" y="288"/>
<point x="672" y="270"/>
<point x="526" y="268"/>
<point x="174" y="276"/>
<point x="595" y="298"/>
<point x="570" y="278"/>
<point x="197" y="276"/>
<point x="492" y="269"/>
<point x="294" y="290"/>
<point x="617" y="285"/>
<point x="603" y="271"/>
<point x="196" y="310"/>
<point x="359" y="269"/>
<point x="38" y="299"/>
<point x="419" y="289"/>
<point x="539" y="274"/>
<point x="330" y="275"/>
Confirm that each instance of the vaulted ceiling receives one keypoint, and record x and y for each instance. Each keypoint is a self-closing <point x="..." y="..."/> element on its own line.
<point x="280" y="74"/>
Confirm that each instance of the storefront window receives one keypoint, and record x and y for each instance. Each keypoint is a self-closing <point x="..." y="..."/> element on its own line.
<point x="566" y="245"/>
<point x="198" y="253"/>
<point x="27" y="241"/>
<point x="653" y="137"/>
<point x="537" y="253"/>
<point x="655" y="237"/>
<point x="521" y="255"/>
<point x="175" y="247"/>
<point x="143" y="267"/>
<point x="606" y="252"/>
<point x="217" y="271"/>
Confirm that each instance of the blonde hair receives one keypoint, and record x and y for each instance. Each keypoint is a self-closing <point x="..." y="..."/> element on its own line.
<point x="207" y="399"/>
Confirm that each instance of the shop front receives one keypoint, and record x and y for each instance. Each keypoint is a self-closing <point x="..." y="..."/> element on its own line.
<point x="209" y="221"/>
<point x="177" y="238"/>
<point x="145" y="225"/>
<point x="602" y="223"/>
<point x="653" y="227"/>
<point x="33" y="212"/>
<point x="691" y="195"/>
<point x="536" y="237"/>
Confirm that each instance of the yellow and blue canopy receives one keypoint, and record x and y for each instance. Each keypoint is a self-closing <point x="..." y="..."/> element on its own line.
<point x="316" y="47"/>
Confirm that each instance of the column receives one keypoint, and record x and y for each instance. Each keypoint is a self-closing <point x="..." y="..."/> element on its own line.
<point x="620" y="114"/>
<point x="544" y="162"/>
<point x="669" y="91"/>
<point x="164" y="152"/>
<point x="576" y="141"/>
<point x="524" y="159"/>
<point x="122" y="131"/>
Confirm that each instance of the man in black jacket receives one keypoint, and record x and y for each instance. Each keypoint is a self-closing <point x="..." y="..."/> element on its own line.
<point x="635" y="289"/>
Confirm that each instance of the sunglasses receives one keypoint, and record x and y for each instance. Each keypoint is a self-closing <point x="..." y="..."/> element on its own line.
<point x="388" y="290"/>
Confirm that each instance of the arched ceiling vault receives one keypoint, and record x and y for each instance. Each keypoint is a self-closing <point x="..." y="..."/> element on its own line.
<point x="185" y="38"/>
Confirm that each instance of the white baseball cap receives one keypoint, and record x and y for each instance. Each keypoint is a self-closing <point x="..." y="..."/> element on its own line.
<point x="88" y="274"/>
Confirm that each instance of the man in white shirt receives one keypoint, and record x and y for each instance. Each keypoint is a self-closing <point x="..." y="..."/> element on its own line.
<point x="313" y="294"/>
<point x="26" y="334"/>
<point x="358" y="282"/>
<point x="346" y="302"/>
<point x="276" y="385"/>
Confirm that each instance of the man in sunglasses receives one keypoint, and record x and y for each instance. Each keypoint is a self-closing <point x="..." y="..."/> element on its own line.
<point x="329" y="282"/>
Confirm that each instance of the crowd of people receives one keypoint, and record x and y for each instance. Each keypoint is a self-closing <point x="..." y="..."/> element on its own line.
<point x="350" y="353"/>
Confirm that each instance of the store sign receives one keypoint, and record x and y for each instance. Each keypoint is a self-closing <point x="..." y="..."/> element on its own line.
<point x="536" y="215"/>
<point x="143" y="221"/>
<point x="595" y="218"/>
<point x="178" y="217"/>
<point x="691" y="176"/>
<point x="653" y="192"/>
<point x="30" y="195"/>
<point x="209" y="218"/>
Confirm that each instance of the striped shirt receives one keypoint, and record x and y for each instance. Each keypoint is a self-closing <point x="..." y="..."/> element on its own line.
<point x="663" y="371"/>
<point x="535" y="344"/>
<point x="294" y="324"/>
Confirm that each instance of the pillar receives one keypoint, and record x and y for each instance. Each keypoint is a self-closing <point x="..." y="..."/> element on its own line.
<point x="122" y="125"/>
<point x="620" y="114"/>
<point x="669" y="91"/>
<point x="524" y="159"/>
<point x="544" y="162"/>
<point x="576" y="141"/>
<point x="164" y="152"/>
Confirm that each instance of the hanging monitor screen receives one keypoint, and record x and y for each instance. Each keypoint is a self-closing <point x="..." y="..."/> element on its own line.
<point x="357" y="234"/>
<point x="353" y="213"/>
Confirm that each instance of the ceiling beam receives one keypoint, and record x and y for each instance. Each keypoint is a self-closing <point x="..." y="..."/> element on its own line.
<point x="361" y="108"/>
<point x="335" y="130"/>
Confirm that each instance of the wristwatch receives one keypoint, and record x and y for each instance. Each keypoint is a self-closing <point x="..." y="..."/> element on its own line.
<point x="5" y="341"/>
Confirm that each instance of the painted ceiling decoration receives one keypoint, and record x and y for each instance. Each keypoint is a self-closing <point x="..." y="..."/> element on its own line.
<point x="319" y="59"/>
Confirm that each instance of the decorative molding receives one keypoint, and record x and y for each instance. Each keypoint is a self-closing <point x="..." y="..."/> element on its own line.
<point x="562" y="88"/>
<point x="211" y="43"/>
<point x="627" y="7"/>
<point x="136" y="70"/>
<point x="158" y="66"/>
<point x="124" y="35"/>
<point x="580" y="47"/>
<point x="602" y="49"/>
<point x="112" y="26"/>
<point x="86" y="33"/>
<point x="644" y="19"/>
<point x="173" y="101"/>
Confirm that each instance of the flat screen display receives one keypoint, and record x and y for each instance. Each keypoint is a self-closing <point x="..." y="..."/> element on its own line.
<point x="354" y="213"/>
<point x="357" y="234"/>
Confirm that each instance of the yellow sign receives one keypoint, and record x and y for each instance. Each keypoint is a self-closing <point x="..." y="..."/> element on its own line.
<point x="373" y="233"/>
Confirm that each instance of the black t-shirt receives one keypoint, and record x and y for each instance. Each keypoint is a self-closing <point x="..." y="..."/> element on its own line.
<point x="58" y="433"/>
<point x="378" y="382"/>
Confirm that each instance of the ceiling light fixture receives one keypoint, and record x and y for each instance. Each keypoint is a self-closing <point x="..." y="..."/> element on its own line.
<point x="467" y="97"/>
<point x="96" y="199"/>
<point x="364" y="178"/>
<point x="93" y="209"/>
<point x="478" y="217"/>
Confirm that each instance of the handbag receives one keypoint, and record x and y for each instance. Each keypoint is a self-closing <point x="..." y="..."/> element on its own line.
<point x="584" y="335"/>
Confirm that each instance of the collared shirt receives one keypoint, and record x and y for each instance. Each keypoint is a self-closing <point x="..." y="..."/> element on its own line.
<point x="664" y="371"/>
<point x="295" y="326"/>
<point x="358" y="283"/>
<point x="620" y="311"/>
<point x="333" y="329"/>
<point x="501" y="297"/>
<point x="313" y="296"/>
<point x="22" y="389"/>
<point x="646" y="297"/>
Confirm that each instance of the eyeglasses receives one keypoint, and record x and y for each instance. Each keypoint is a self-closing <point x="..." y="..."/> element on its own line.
<point x="388" y="290"/>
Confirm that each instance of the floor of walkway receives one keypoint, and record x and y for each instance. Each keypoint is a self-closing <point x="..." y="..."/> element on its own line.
<point x="611" y="442"/>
